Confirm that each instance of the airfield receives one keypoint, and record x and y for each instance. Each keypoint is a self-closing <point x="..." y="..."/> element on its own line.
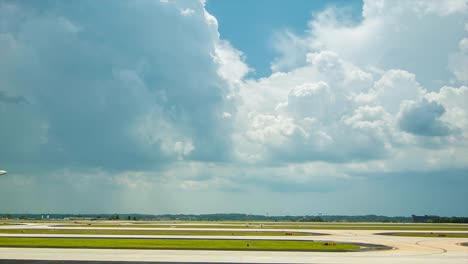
<point x="231" y="242"/>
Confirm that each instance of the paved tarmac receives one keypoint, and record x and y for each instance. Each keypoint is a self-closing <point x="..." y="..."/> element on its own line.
<point x="20" y="261"/>
<point x="405" y="250"/>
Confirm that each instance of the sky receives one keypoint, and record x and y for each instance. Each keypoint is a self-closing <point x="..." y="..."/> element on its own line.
<point x="258" y="107"/>
<point x="258" y="30"/>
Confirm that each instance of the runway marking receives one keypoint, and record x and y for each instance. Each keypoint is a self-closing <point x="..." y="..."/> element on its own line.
<point x="443" y="250"/>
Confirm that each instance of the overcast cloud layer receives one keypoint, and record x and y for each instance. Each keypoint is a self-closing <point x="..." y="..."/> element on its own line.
<point x="139" y="106"/>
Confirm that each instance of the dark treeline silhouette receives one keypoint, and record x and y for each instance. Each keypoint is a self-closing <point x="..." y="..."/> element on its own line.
<point x="438" y="219"/>
<point x="244" y="217"/>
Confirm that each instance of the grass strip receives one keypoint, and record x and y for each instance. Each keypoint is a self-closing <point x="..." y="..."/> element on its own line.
<point x="331" y="227"/>
<point x="90" y="231"/>
<point x="253" y="245"/>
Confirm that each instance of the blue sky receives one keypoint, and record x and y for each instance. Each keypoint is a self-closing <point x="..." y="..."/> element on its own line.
<point x="186" y="106"/>
<point x="253" y="29"/>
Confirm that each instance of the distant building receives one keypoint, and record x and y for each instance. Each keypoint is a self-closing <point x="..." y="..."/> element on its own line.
<point x="425" y="218"/>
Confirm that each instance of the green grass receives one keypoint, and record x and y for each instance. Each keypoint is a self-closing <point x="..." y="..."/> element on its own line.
<point x="257" y="225"/>
<point x="332" y="226"/>
<point x="431" y="234"/>
<point x="90" y="231"/>
<point x="274" y="245"/>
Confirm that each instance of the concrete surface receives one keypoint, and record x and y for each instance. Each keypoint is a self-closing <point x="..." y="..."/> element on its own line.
<point x="406" y="250"/>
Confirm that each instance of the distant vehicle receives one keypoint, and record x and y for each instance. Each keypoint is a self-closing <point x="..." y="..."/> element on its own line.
<point x="2" y="172"/>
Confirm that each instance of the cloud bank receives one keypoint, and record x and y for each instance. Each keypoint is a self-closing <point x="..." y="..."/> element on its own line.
<point x="151" y="109"/>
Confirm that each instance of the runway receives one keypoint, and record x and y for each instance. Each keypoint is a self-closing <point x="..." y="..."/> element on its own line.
<point x="405" y="250"/>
